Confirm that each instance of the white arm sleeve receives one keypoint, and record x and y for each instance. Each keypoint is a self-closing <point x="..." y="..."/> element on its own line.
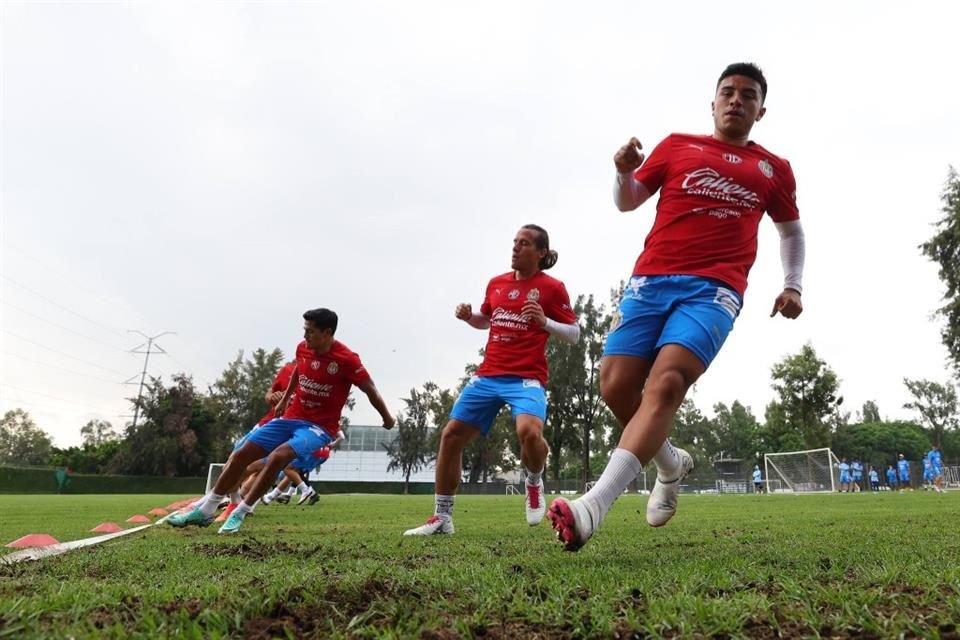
<point x="792" y="252"/>
<point x="569" y="333"/>
<point x="628" y="192"/>
<point x="479" y="321"/>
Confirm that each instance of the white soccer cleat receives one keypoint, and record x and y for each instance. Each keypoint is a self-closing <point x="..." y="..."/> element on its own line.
<point x="662" y="503"/>
<point x="574" y="521"/>
<point x="266" y="499"/>
<point x="535" y="506"/>
<point x="434" y="526"/>
<point x="310" y="497"/>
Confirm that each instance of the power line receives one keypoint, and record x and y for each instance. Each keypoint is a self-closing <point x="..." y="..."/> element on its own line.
<point x="66" y="355"/>
<point x="60" y="326"/>
<point x="60" y="306"/>
<point x="59" y="399"/>
<point x="53" y="366"/>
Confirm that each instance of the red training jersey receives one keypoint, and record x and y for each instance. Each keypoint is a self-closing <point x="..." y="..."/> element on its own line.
<point x="279" y="384"/>
<point x="516" y="346"/>
<point x="323" y="385"/>
<point x="712" y="197"/>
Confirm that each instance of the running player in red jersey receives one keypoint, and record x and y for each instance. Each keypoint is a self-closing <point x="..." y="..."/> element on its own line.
<point x="326" y="370"/>
<point x="522" y="309"/>
<point x="687" y="287"/>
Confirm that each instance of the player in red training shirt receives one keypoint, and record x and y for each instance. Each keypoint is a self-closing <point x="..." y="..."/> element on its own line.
<point x="326" y="370"/>
<point x="686" y="289"/>
<point x="522" y="309"/>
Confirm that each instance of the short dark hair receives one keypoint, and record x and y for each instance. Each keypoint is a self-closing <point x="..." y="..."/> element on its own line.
<point x="543" y="243"/>
<point x="749" y="70"/>
<point x="322" y="319"/>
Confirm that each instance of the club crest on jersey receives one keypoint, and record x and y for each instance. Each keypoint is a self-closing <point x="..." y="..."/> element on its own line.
<point x="533" y="294"/>
<point x="766" y="168"/>
<point x="332" y="368"/>
<point x="514" y="294"/>
<point x="732" y="158"/>
<point x="315" y="365"/>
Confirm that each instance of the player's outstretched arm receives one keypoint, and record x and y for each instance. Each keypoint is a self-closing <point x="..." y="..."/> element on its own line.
<point x="628" y="192"/>
<point x="476" y="320"/>
<point x="376" y="401"/>
<point x="792" y="255"/>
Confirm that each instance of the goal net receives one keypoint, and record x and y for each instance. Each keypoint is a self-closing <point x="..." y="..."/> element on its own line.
<point x="213" y="474"/>
<point x="810" y="471"/>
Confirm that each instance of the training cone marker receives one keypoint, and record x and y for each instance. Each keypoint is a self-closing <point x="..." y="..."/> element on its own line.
<point x="107" y="527"/>
<point x="157" y="512"/>
<point x="138" y="518"/>
<point x="34" y="540"/>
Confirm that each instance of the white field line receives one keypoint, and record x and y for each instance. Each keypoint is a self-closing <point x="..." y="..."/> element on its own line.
<point x="36" y="553"/>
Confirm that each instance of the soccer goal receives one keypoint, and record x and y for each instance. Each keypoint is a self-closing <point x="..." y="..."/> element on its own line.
<point x="213" y="474"/>
<point x="810" y="471"/>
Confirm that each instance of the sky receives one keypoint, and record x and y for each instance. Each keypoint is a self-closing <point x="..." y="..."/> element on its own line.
<point x="214" y="169"/>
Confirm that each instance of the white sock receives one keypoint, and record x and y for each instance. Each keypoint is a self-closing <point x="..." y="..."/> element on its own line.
<point x="243" y="509"/>
<point x="291" y="491"/>
<point x="235" y="496"/>
<point x="667" y="461"/>
<point x="273" y="493"/>
<point x="533" y="479"/>
<point x="210" y="504"/>
<point x="622" y="469"/>
<point x="303" y="488"/>
<point x="443" y="506"/>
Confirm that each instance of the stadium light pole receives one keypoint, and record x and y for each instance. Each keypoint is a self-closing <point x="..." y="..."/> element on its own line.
<point x="149" y="344"/>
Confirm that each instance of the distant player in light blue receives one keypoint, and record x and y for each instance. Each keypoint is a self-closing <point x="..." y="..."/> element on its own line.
<point x="927" y="473"/>
<point x="757" y="479"/>
<point x="874" y="479"/>
<point x="856" y="472"/>
<point x="892" y="478"/>
<point x="903" y="473"/>
<point x="844" y="467"/>
<point x="936" y="466"/>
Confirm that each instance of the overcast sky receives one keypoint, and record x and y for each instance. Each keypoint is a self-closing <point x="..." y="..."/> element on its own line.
<point x="215" y="169"/>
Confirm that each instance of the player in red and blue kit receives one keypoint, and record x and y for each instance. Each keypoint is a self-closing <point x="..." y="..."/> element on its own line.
<point x="687" y="287"/>
<point x="310" y="407"/>
<point x="522" y="309"/>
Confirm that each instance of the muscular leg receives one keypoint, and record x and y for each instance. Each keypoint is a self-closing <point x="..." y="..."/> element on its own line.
<point x="454" y="439"/>
<point x="533" y="446"/>
<point x="278" y="459"/>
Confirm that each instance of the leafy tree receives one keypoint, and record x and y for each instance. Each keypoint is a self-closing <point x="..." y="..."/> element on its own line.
<point x="97" y="431"/>
<point x="22" y="441"/>
<point x="88" y="458"/>
<point x="808" y="401"/>
<point x="736" y="430"/>
<point x="573" y="393"/>
<point x="177" y="436"/>
<point x="871" y="412"/>
<point x="694" y="432"/>
<point x="411" y="450"/>
<point x="237" y="398"/>
<point x="936" y="403"/>
<point x="944" y="249"/>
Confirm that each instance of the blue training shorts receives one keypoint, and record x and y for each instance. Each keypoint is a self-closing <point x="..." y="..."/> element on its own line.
<point x="484" y="396"/>
<point x="694" y="312"/>
<point x="302" y="436"/>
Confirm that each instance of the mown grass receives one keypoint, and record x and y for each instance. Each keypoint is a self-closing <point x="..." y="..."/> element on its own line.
<point x="849" y="566"/>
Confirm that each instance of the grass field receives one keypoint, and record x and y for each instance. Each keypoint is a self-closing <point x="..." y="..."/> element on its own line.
<point x="847" y="566"/>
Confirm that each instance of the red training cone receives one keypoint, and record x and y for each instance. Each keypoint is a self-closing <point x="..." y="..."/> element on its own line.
<point x="157" y="512"/>
<point x="138" y="518"/>
<point x="107" y="527"/>
<point x="34" y="540"/>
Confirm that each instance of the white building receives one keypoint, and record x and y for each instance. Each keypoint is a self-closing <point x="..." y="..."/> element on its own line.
<point x="362" y="458"/>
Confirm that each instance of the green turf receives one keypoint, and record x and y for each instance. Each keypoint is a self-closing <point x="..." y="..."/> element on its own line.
<point x="863" y="566"/>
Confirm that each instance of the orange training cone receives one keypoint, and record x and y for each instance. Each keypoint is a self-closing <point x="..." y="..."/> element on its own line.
<point x="34" y="540"/>
<point x="138" y="518"/>
<point x="107" y="527"/>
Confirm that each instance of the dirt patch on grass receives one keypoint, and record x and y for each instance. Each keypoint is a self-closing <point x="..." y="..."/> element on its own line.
<point x="254" y="550"/>
<point x="191" y="607"/>
<point x="337" y="605"/>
